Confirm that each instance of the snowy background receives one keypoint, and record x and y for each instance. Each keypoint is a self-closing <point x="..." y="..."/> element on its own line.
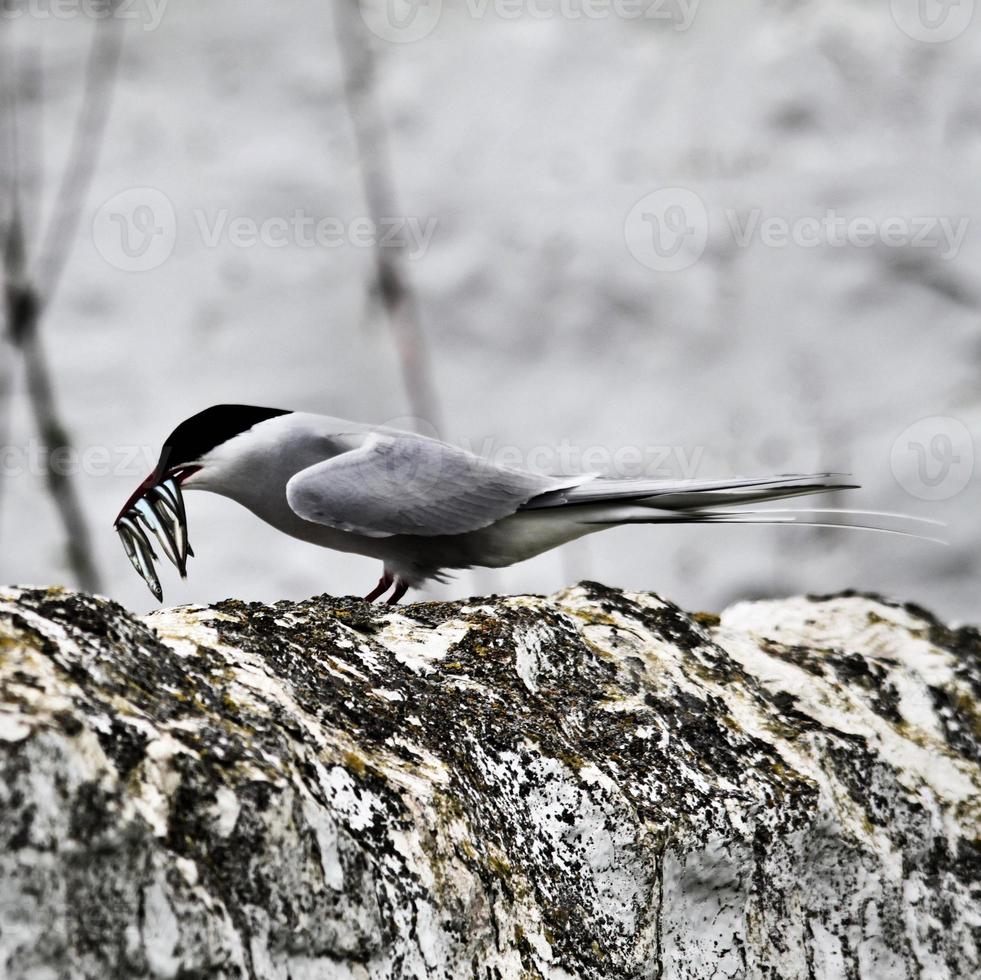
<point x="551" y="149"/>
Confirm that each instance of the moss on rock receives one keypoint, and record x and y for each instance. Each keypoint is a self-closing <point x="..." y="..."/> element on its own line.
<point x="595" y="784"/>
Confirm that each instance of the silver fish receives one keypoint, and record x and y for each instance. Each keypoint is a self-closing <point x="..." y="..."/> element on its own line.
<point x="159" y="511"/>
<point x="168" y="514"/>
<point x="172" y="489"/>
<point x="138" y="537"/>
<point x="160" y="524"/>
<point x="139" y="551"/>
<point x="126" y="536"/>
<point x="144" y="512"/>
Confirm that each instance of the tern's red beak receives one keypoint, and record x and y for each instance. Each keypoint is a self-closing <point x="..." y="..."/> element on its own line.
<point x="158" y="475"/>
<point x="150" y="481"/>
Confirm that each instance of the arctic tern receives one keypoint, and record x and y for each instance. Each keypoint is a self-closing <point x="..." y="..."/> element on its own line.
<point x="421" y="506"/>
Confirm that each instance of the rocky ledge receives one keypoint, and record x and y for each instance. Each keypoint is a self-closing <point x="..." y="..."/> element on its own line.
<point x="594" y="784"/>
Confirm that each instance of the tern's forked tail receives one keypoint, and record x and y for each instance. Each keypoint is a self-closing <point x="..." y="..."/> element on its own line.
<point x="611" y="502"/>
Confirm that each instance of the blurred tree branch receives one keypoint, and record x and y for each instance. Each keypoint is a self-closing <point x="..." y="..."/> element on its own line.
<point x="90" y="124"/>
<point x="27" y="294"/>
<point x="391" y="283"/>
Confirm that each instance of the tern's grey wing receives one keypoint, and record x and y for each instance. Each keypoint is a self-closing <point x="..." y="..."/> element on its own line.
<point x="405" y="484"/>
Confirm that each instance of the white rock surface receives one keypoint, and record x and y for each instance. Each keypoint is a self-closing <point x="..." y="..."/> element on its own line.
<point x="592" y="785"/>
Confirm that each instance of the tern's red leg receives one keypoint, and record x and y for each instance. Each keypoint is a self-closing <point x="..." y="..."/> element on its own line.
<point x="384" y="584"/>
<point x="400" y="589"/>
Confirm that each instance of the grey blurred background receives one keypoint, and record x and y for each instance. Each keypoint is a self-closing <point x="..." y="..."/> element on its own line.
<point x="708" y="238"/>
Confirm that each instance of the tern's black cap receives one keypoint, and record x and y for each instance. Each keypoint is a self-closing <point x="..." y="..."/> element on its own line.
<point x="199" y="434"/>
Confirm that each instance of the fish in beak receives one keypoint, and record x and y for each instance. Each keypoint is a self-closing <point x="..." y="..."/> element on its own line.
<point x="156" y="507"/>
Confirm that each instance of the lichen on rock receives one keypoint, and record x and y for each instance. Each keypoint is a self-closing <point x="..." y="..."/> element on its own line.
<point x="594" y="784"/>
